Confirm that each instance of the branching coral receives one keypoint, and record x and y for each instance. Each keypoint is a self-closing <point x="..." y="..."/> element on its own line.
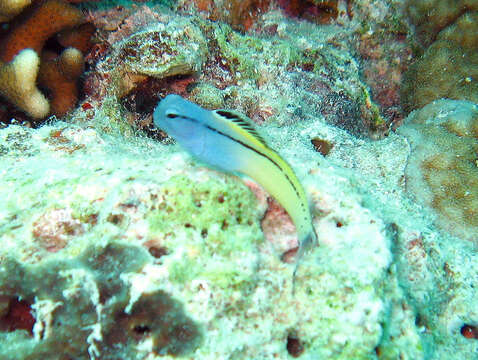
<point x="46" y="20"/>
<point x="19" y="67"/>
<point x="18" y="84"/>
<point x="59" y="75"/>
<point x="11" y="8"/>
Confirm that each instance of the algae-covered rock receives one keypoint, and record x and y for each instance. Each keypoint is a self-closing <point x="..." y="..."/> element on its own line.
<point x="164" y="49"/>
<point x="169" y="48"/>
<point x="442" y="171"/>
<point x="125" y="248"/>
<point x="464" y="31"/>
<point x="207" y="96"/>
<point x="297" y="72"/>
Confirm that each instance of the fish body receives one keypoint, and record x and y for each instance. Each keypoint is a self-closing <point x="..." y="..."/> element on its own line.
<point x="227" y="140"/>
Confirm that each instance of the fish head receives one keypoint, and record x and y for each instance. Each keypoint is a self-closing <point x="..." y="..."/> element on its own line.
<point x="177" y="116"/>
<point x="183" y="121"/>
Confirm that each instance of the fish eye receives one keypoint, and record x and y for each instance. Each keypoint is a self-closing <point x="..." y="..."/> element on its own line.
<point x="171" y="116"/>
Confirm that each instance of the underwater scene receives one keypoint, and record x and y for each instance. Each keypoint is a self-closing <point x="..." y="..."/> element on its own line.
<point x="238" y="179"/>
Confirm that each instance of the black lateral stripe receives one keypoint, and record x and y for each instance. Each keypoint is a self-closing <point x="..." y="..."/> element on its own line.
<point x="241" y="122"/>
<point x="259" y="153"/>
<point x="228" y="115"/>
<point x="250" y="148"/>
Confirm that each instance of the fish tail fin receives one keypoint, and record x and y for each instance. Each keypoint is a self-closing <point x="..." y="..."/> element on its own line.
<point x="306" y="244"/>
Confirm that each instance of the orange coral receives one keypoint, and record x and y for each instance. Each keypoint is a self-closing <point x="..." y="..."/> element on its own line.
<point x="79" y="37"/>
<point x="48" y="18"/>
<point x="11" y="8"/>
<point x="59" y="75"/>
<point x="23" y="47"/>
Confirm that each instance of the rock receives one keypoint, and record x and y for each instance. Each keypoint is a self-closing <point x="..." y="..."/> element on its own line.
<point x="150" y="254"/>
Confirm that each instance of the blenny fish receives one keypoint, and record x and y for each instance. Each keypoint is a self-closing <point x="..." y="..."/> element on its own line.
<point x="228" y="141"/>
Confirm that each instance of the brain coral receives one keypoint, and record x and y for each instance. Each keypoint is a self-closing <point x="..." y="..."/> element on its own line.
<point x="432" y="16"/>
<point x="446" y="70"/>
<point x="442" y="170"/>
<point x="449" y="66"/>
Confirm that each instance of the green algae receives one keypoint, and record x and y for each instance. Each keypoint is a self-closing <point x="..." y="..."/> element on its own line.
<point x="243" y="52"/>
<point x="192" y="204"/>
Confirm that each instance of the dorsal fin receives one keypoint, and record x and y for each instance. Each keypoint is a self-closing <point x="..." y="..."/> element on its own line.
<point x="242" y="121"/>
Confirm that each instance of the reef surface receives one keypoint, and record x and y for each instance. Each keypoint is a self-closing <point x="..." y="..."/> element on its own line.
<point x="117" y="244"/>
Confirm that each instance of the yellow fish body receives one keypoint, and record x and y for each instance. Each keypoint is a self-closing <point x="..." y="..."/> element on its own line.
<point x="228" y="141"/>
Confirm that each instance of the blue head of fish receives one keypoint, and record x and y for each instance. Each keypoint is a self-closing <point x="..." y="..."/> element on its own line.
<point x="183" y="121"/>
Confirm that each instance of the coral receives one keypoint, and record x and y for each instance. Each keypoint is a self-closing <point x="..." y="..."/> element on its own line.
<point x="59" y="75"/>
<point x="30" y="30"/>
<point x="381" y="38"/>
<point x="321" y="11"/>
<point x="432" y="16"/>
<point x="448" y="66"/>
<point x="119" y="22"/>
<point x="244" y="15"/>
<point x="11" y="8"/>
<point x="464" y="31"/>
<point x="18" y="84"/>
<point x="126" y="248"/>
<point x="240" y="14"/>
<point x="446" y="70"/>
<point x="160" y="51"/>
<point x="48" y="19"/>
<point x="78" y="38"/>
<point x="442" y="170"/>
<point x="385" y="57"/>
<point x="53" y="229"/>
<point x="265" y="77"/>
<point x="109" y="331"/>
